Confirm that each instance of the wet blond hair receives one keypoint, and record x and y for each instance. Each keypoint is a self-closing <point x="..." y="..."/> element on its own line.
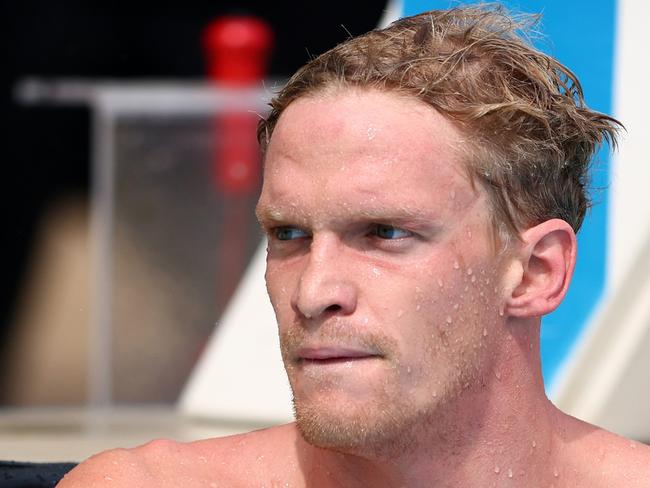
<point x="530" y="136"/>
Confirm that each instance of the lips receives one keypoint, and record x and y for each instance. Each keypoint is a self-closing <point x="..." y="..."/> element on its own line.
<point x="332" y="354"/>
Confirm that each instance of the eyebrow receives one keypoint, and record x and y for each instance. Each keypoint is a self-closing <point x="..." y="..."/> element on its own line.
<point x="269" y="214"/>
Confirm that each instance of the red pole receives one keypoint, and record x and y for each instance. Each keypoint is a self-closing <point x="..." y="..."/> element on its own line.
<point x="236" y="50"/>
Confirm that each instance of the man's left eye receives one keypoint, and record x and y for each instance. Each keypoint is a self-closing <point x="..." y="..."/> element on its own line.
<point x="389" y="232"/>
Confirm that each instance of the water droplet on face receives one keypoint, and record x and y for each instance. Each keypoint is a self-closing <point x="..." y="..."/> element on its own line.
<point x="456" y="265"/>
<point x="452" y="194"/>
<point x="534" y="444"/>
<point x="485" y="332"/>
<point x="473" y="280"/>
<point x="509" y="473"/>
<point x="376" y="272"/>
<point x="400" y="313"/>
<point x="203" y="459"/>
<point x="497" y="469"/>
<point x="448" y="319"/>
<point x="408" y="370"/>
<point x="556" y="473"/>
<point x="440" y="283"/>
<point x="469" y="271"/>
<point x="456" y="306"/>
<point x="418" y="306"/>
<point x="497" y="374"/>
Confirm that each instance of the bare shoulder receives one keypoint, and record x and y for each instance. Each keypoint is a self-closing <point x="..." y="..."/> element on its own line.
<point x="621" y="461"/>
<point x="602" y="458"/>
<point x="114" y="467"/>
<point x="227" y="461"/>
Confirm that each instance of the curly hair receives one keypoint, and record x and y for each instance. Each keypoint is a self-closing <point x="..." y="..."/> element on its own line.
<point x="529" y="137"/>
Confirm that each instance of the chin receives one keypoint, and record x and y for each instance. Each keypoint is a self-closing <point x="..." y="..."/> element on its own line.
<point x="367" y="431"/>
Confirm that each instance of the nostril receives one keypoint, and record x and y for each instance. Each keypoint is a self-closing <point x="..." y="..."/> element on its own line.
<point x="333" y="308"/>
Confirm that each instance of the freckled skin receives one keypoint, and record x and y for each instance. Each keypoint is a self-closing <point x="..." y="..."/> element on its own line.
<point x="379" y="244"/>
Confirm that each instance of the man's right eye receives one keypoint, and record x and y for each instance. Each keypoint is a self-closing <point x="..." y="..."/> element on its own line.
<point x="288" y="233"/>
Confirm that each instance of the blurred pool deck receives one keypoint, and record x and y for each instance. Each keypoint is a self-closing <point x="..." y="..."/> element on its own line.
<point x="59" y="434"/>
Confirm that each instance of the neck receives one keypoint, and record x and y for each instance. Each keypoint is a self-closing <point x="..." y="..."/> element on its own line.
<point x="499" y="430"/>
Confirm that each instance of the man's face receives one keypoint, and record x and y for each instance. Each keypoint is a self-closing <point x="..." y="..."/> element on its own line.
<point x="380" y="265"/>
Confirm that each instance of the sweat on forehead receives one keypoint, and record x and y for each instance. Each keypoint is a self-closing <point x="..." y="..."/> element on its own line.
<point x="363" y="152"/>
<point x="378" y="125"/>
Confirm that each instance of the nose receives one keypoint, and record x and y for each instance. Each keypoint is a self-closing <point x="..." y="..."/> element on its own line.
<point x="325" y="284"/>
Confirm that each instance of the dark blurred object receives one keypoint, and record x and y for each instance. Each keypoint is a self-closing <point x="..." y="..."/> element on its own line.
<point x="32" y="475"/>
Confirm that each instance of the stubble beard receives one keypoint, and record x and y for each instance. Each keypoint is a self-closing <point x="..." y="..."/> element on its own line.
<point x="392" y="424"/>
<point x="389" y="428"/>
<point x="369" y="431"/>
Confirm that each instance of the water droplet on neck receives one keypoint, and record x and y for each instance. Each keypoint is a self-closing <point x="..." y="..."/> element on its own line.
<point x="469" y="271"/>
<point x="456" y="265"/>
<point x="448" y="319"/>
<point x="473" y="280"/>
<point x="456" y="306"/>
<point x="497" y="374"/>
<point x="485" y="332"/>
<point x="509" y="473"/>
<point x="556" y="473"/>
<point x="440" y="283"/>
<point x="497" y="469"/>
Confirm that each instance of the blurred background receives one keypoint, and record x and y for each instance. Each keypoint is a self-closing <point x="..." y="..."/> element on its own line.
<point x="45" y="283"/>
<point x="130" y="175"/>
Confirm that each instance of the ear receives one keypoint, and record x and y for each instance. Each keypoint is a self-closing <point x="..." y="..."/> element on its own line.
<point x="547" y="258"/>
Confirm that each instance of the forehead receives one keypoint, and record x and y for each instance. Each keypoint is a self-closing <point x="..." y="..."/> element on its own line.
<point x="365" y="119"/>
<point x="346" y="143"/>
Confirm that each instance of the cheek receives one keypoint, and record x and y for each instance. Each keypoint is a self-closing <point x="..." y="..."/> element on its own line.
<point x="279" y="286"/>
<point x="452" y="307"/>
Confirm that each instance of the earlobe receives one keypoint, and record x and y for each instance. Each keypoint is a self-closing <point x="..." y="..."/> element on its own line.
<point x="547" y="257"/>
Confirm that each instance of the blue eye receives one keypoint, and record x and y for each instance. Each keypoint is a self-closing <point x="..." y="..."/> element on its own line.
<point x="288" y="233"/>
<point x="389" y="232"/>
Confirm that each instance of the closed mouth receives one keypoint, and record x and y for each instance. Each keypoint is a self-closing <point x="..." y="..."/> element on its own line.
<point x="333" y="355"/>
<point x="336" y="360"/>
